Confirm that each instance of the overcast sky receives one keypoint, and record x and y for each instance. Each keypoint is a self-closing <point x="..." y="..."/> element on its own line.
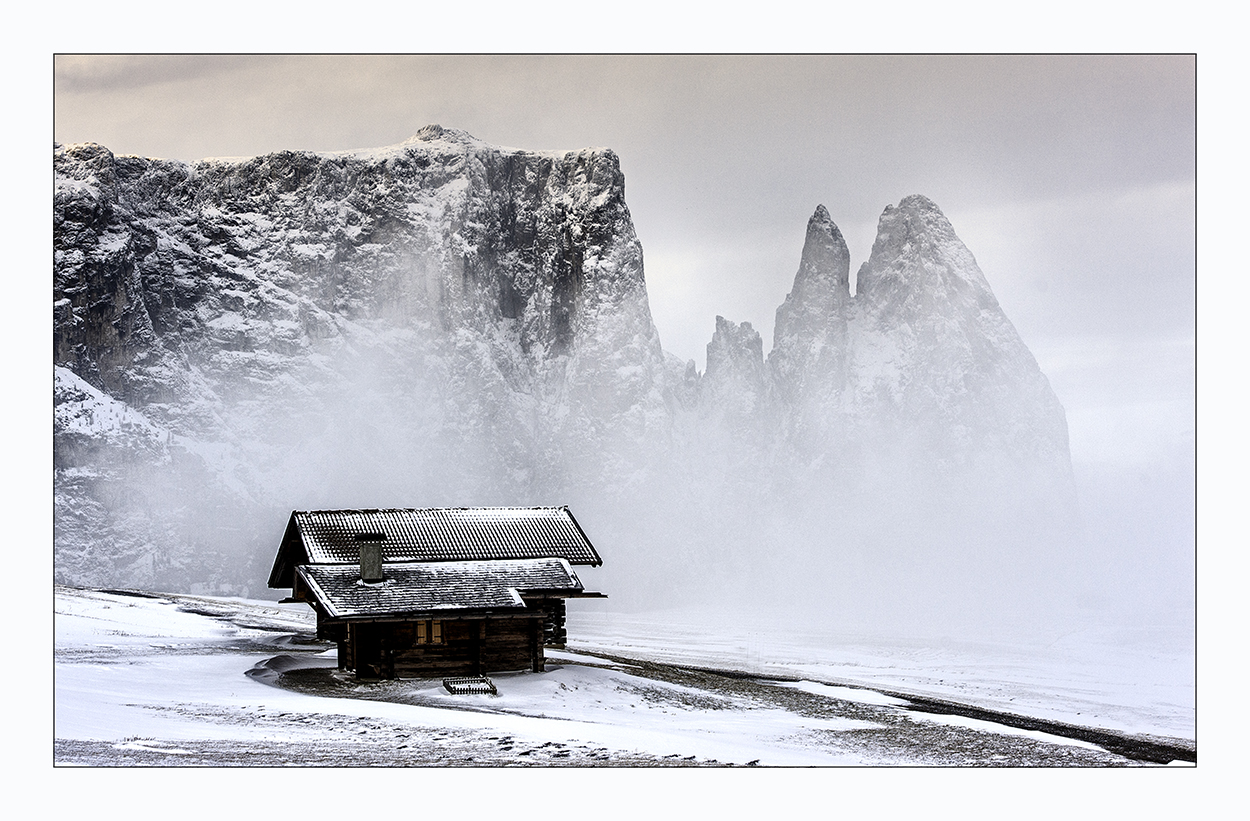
<point x="1071" y="179"/>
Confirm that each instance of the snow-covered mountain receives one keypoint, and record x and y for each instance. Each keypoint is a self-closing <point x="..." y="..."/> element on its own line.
<point x="900" y="440"/>
<point x="920" y="373"/>
<point x="445" y="322"/>
<point x="441" y="320"/>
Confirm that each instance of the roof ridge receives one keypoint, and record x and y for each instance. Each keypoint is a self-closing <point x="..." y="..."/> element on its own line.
<point x="429" y="509"/>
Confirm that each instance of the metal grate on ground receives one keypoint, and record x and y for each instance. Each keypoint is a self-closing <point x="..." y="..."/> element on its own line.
<point x="470" y="685"/>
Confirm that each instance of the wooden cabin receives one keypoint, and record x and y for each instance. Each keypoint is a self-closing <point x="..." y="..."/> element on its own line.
<point x="425" y="593"/>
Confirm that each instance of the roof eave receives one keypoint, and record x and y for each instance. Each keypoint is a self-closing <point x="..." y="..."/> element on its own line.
<point x="441" y="614"/>
<point x="283" y="572"/>
<point x="598" y="561"/>
<point x="323" y="602"/>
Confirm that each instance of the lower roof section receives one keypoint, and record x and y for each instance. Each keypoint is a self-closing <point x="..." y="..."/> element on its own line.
<point x="426" y="588"/>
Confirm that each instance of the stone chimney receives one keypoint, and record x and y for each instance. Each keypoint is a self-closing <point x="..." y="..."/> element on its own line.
<point x="370" y="545"/>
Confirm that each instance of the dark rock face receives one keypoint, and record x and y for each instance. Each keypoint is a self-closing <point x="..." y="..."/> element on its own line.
<point x="441" y="233"/>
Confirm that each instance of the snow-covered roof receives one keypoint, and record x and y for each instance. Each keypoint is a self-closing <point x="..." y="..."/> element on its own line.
<point x="431" y="535"/>
<point x="415" y="588"/>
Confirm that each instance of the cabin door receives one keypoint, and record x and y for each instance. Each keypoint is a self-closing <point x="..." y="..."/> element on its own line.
<point x="372" y="658"/>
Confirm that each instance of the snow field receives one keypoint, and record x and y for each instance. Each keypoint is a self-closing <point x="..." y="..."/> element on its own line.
<point x="1139" y="681"/>
<point x="147" y="679"/>
<point x="138" y="671"/>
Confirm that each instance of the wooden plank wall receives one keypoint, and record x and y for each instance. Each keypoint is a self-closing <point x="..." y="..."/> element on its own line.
<point x="554" y="632"/>
<point x="469" y="647"/>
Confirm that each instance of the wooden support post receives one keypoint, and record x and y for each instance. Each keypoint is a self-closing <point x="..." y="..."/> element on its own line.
<point x="536" y="644"/>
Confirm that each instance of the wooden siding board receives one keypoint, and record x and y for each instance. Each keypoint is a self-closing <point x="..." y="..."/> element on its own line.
<point x="470" y="648"/>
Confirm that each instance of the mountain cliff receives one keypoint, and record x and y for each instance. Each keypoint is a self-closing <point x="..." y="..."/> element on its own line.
<point x="445" y="322"/>
<point x="438" y="322"/>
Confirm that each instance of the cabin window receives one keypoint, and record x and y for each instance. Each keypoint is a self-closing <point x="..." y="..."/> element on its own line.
<point x="429" y="632"/>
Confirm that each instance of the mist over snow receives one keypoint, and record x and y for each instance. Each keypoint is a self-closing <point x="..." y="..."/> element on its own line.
<point x="449" y="323"/>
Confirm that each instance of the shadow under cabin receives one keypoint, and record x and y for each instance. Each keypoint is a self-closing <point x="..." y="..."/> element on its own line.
<point x="423" y="593"/>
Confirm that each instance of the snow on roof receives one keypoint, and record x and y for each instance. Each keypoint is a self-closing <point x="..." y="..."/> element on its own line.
<point x="445" y="534"/>
<point x="430" y="587"/>
<point x="431" y="535"/>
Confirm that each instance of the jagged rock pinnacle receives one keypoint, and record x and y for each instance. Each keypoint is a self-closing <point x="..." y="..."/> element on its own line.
<point x="915" y="241"/>
<point x="822" y="284"/>
<point x="826" y="262"/>
<point x="809" y="336"/>
<point x="735" y="348"/>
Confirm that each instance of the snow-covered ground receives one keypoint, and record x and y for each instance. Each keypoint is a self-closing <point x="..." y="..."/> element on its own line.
<point x="1136" y="680"/>
<point x="168" y="680"/>
<point x="143" y="675"/>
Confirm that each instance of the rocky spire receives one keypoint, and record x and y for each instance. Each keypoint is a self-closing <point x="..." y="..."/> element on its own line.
<point x="916" y="249"/>
<point x="735" y="366"/>
<point x="810" y="331"/>
<point x="933" y="353"/>
<point x="823" y="279"/>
